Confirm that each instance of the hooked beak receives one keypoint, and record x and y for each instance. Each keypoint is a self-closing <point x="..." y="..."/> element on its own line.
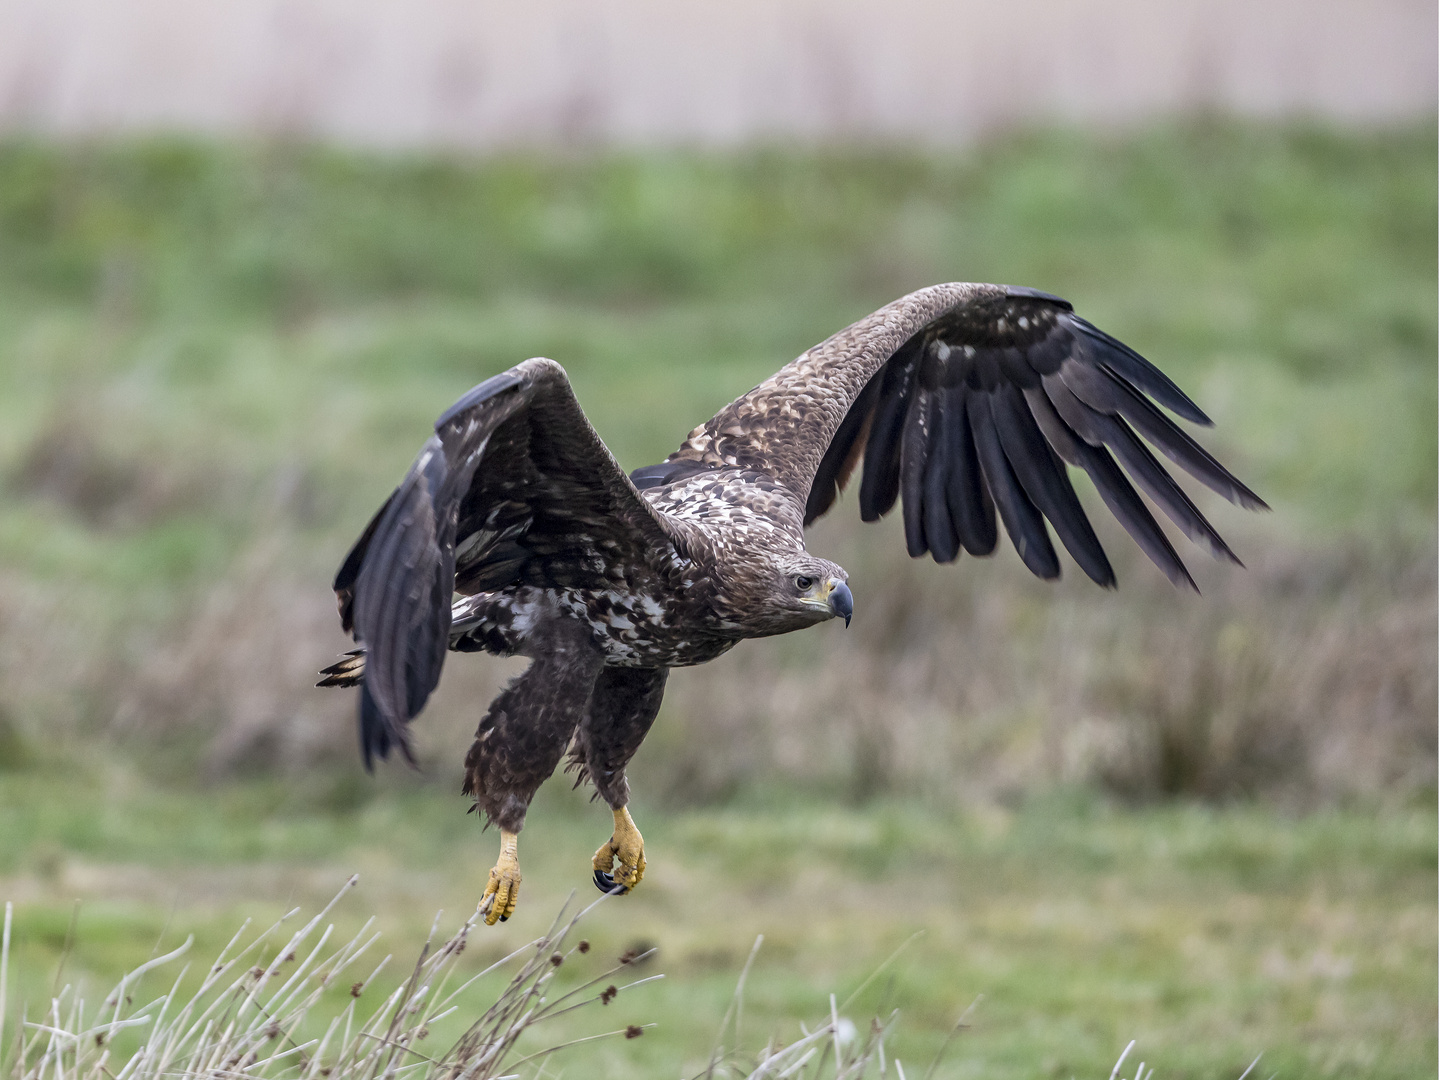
<point x="841" y="602"/>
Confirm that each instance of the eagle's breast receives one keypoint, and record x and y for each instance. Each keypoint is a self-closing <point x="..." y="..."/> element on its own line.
<point x="643" y="629"/>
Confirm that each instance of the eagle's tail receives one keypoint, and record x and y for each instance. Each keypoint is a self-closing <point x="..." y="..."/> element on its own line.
<point x="348" y="672"/>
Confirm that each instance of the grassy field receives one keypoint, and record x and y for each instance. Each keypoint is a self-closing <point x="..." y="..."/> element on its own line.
<point x="1210" y="935"/>
<point x="1206" y="824"/>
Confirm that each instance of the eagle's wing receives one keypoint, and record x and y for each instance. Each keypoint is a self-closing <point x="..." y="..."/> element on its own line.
<point x="962" y="399"/>
<point x="514" y="487"/>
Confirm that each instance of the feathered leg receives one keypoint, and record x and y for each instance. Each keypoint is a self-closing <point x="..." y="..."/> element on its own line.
<point x="521" y="740"/>
<point x="621" y="709"/>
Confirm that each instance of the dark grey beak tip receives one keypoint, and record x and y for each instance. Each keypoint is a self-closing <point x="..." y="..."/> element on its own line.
<point x="842" y="603"/>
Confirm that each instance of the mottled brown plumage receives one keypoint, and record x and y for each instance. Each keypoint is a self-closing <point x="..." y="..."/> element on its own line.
<point x="516" y="532"/>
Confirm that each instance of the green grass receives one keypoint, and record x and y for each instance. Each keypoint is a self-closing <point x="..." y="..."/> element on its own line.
<point x="215" y="360"/>
<point x="1208" y="934"/>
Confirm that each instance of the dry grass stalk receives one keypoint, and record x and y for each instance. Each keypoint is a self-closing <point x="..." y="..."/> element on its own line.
<point x="834" y="1049"/>
<point x="251" y="1008"/>
<point x="831" y="1050"/>
<point x="247" y="1017"/>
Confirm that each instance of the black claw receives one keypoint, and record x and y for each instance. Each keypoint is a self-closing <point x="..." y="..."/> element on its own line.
<point x="607" y="884"/>
<point x="504" y="918"/>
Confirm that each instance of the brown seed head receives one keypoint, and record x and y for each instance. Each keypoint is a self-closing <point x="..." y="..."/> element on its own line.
<point x="584" y="946"/>
<point x="355" y="990"/>
<point x="556" y="959"/>
<point x="634" y="1031"/>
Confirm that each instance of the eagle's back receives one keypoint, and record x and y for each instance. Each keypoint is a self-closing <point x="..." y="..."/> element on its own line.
<point x="668" y="615"/>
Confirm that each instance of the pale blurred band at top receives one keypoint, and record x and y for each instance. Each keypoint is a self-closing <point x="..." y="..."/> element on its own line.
<point x="473" y="74"/>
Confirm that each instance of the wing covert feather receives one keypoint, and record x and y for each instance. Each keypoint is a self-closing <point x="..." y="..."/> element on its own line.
<point x="785" y="426"/>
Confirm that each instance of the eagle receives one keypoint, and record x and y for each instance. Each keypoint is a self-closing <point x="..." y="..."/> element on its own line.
<point x="516" y="531"/>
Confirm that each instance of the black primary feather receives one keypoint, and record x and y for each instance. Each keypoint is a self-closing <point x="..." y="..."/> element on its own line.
<point x="971" y="509"/>
<point x="1098" y="428"/>
<point x="880" y="482"/>
<point x="1129" y="364"/>
<point x="831" y="474"/>
<point x="376" y="736"/>
<point x="344" y="584"/>
<point x="1113" y="488"/>
<point x="1019" y="515"/>
<point x="914" y="449"/>
<point x="1107" y="393"/>
<point x="940" y="531"/>
<point x="1048" y="487"/>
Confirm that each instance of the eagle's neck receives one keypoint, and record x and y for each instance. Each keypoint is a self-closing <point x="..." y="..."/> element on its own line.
<point x="737" y="528"/>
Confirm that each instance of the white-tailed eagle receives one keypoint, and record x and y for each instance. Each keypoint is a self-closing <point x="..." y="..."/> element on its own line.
<point x="517" y="532"/>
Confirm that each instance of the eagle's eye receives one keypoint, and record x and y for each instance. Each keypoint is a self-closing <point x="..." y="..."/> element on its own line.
<point x="802" y="582"/>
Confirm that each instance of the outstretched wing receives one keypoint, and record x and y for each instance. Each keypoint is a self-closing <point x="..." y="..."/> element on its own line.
<point x="963" y="399"/>
<point x="514" y="487"/>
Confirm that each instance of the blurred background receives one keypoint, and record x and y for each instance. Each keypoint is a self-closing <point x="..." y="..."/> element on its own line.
<point x="249" y="251"/>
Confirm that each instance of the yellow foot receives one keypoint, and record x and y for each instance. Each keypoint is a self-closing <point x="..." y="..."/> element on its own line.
<point x="627" y="845"/>
<point x="503" y="889"/>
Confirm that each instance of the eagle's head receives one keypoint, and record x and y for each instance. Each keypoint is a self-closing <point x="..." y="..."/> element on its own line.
<point x="790" y="592"/>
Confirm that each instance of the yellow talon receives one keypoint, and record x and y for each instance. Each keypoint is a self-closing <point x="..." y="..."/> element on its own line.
<point x="628" y="846"/>
<point x="503" y="888"/>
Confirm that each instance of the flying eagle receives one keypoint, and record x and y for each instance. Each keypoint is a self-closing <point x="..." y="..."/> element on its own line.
<point x="517" y="532"/>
